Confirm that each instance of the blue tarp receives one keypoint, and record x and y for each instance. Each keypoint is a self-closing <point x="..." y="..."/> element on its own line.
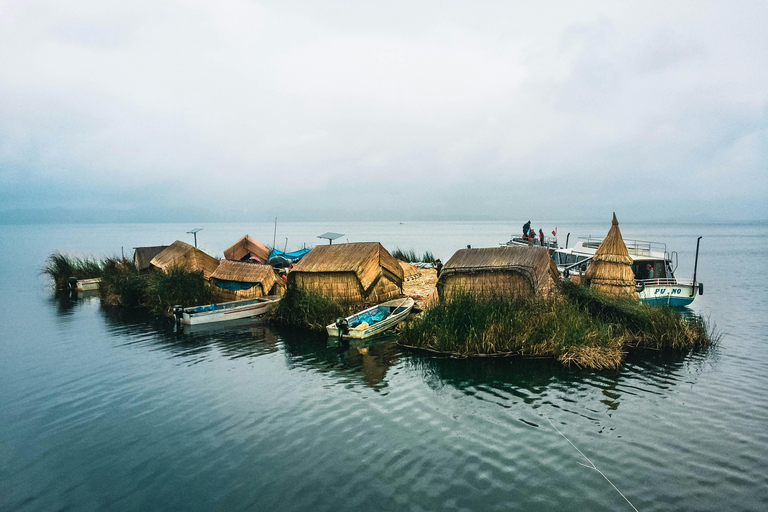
<point x="371" y="317"/>
<point x="292" y="256"/>
<point x="233" y="285"/>
<point x="202" y="309"/>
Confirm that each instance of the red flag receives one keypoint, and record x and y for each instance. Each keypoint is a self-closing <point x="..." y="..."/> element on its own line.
<point x="554" y="233"/>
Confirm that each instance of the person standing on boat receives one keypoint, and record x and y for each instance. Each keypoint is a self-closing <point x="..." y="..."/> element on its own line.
<point x="526" y="227"/>
<point x="541" y="237"/>
<point x="650" y="271"/>
<point x="532" y="235"/>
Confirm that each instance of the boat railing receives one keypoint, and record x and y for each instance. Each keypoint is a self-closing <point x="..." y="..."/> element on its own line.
<point x="634" y="247"/>
<point x="665" y="281"/>
<point x="550" y="242"/>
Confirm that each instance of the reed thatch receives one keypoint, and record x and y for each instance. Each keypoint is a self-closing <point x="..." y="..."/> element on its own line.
<point x="246" y="247"/>
<point x="410" y="272"/>
<point x="506" y="270"/>
<point x="262" y="278"/>
<point x="142" y="256"/>
<point x="349" y="273"/>
<point x="182" y="255"/>
<point x="610" y="270"/>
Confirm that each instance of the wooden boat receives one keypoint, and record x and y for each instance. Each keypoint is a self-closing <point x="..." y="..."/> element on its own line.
<point x="234" y="310"/>
<point x="372" y="321"/>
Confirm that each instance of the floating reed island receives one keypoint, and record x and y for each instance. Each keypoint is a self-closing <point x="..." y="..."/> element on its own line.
<point x="511" y="301"/>
<point x="499" y="301"/>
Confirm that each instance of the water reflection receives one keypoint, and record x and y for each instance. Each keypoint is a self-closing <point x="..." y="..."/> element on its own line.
<point x="536" y="382"/>
<point x="366" y="361"/>
<point x="234" y="339"/>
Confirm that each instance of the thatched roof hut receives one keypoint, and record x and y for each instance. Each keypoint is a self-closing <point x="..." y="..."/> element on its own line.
<point x="610" y="270"/>
<point x="351" y="273"/>
<point x="246" y="247"/>
<point x="237" y="280"/>
<point x="183" y="255"/>
<point x="410" y="272"/>
<point x="505" y="270"/>
<point x="142" y="256"/>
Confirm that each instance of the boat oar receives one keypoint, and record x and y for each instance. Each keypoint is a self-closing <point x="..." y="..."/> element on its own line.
<point x="398" y="306"/>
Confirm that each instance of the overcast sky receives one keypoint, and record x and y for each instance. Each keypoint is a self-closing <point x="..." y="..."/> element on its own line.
<point x="244" y="110"/>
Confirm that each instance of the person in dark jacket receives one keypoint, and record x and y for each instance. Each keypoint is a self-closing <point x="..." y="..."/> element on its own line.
<point x="439" y="267"/>
<point x="541" y="237"/>
<point x="526" y="227"/>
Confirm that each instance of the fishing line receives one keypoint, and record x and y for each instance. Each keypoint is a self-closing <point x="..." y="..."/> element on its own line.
<point x="591" y="464"/>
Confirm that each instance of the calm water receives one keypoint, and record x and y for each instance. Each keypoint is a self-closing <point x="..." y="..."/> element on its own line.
<point x="110" y="410"/>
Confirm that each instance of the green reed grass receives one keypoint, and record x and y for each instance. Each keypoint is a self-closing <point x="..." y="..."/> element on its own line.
<point x="584" y="329"/>
<point x="177" y="286"/>
<point x="60" y="267"/>
<point x="123" y="285"/>
<point x="299" y="308"/>
<point x="410" y="256"/>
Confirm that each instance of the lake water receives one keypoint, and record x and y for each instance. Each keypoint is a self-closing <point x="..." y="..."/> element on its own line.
<point x="104" y="409"/>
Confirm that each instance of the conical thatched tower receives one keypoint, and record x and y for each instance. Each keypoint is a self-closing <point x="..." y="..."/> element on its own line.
<point x="610" y="270"/>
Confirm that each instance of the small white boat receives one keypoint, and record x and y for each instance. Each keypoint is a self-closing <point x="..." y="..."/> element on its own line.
<point x="653" y="266"/>
<point x="373" y="320"/>
<point x="225" y="311"/>
<point x="84" y="285"/>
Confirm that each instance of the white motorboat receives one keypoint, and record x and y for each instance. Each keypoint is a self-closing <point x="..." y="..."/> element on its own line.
<point x="225" y="311"/>
<point x="653" y="266"/>
<point x="373" y="320"/>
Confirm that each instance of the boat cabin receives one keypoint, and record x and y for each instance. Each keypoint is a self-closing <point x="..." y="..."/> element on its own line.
<point x="661" y="269"/>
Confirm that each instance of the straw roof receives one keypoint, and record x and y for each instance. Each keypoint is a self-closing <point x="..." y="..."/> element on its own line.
<point x="532" y="263"/>
<point x="410" y="272"/>
<point x="142" y="256"/>
<point x="245" y="248"/>
<point x="183" y="255"/>
<point x="242" y="272"/>
<point x="367" y="260"/>
<point x="610" y="270"/>
<point x="612" y="247"/>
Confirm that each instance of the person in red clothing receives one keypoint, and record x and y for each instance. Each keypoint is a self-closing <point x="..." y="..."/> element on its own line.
<point x="541" y="237"/>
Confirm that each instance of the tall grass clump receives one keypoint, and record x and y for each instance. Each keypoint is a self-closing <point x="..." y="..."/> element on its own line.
<point x="647" y="326"/>
<point x="410" y="256"/>
<point x="576" y="326"/>
<point x="299" y="308"/>
<point x="406" y="256"/>
<point x="177" y="286"/>
<point x="122" y="284"/>
<point x="526" y="325"/>
<point x="60" y="267"/>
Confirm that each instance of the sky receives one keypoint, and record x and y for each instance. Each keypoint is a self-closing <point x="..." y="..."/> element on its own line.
<point x="184" y="111"/>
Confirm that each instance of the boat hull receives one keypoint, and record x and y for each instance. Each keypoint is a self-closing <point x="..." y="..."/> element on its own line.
<point x="236" y="310"/>
<point x="87" y="285"/>
<point x="674" y="294"/>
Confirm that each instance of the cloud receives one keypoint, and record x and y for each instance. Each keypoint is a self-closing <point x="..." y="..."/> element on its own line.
<point x="440" y="109"/>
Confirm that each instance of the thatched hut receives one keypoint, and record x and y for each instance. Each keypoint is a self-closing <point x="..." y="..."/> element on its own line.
<point x="237" y="280"/>
<point x="610" y="270"/>
<point x="245" y="248"/>
<point x="505" y="270"/>
<point x="182" y="255"/>
<point x="142" y="256"/>
<point x="410" y="272"/>
<point x="349" y="273"/>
